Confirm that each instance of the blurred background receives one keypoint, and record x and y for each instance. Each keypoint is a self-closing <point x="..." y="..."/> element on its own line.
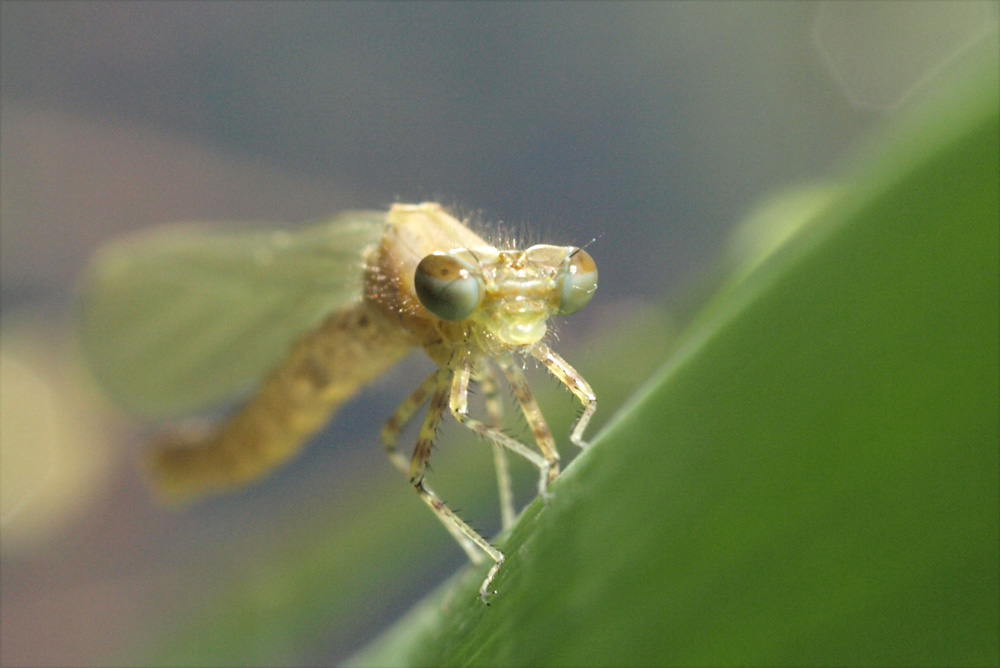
<point x="652" y="127"/>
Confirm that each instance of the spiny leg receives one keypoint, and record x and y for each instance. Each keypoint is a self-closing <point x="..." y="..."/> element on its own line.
<point x="576" y="384"/>
<point x="390" y="438"/>
<point x="494" y="412"/>
<point x="401" y="417"/>
<point x="468" y="537"/>
<point x="459" y="404"/>
<point x="532" y="414"/>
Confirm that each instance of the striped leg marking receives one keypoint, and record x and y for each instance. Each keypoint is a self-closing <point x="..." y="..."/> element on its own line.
<point x="494" y="413"/>
<point x="468" y="537"/>
<point x="576" y="384"/>
<point x="401" y="417"/>
<point x="459" y="404"/>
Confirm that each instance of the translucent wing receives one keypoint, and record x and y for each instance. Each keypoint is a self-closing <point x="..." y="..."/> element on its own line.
<point x="181" y="317"/>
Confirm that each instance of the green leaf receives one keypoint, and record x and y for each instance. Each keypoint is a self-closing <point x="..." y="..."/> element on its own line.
<point x="812" y="477"/>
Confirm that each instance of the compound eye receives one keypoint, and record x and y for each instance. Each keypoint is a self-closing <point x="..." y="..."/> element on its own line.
<point x="447" y="287"/>
<point x="577" y="282"/>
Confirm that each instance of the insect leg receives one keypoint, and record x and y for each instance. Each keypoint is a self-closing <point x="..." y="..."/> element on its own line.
<point x="467" y="537"/>
<point x="399" y="419"/>
<point x="576" y="384"/>
<point x="459" y="404"/>
<point x="494" y="412"/>
<point x="532" y="414"/>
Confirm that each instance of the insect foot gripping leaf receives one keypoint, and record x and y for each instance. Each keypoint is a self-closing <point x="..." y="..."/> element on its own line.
<point x="181" y="318"/>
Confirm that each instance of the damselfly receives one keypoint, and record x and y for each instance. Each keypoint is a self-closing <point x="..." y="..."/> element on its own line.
<point x="184" y="317"/>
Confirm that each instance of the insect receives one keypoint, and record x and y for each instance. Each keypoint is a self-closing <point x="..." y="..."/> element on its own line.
<point x="181" y="318"/>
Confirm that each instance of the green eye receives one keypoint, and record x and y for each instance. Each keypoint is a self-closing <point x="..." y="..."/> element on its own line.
<point x="577" y="283"/>
<point x="447" y="287"/>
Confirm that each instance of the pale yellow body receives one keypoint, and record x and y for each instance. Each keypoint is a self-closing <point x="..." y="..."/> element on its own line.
<point x="359" y="342"/>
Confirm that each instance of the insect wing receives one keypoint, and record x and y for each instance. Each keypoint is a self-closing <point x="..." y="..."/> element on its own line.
<point x="182" y="317"/>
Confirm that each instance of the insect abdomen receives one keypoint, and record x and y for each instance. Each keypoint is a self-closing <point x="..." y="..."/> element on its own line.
<point x="325" y="368"/>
